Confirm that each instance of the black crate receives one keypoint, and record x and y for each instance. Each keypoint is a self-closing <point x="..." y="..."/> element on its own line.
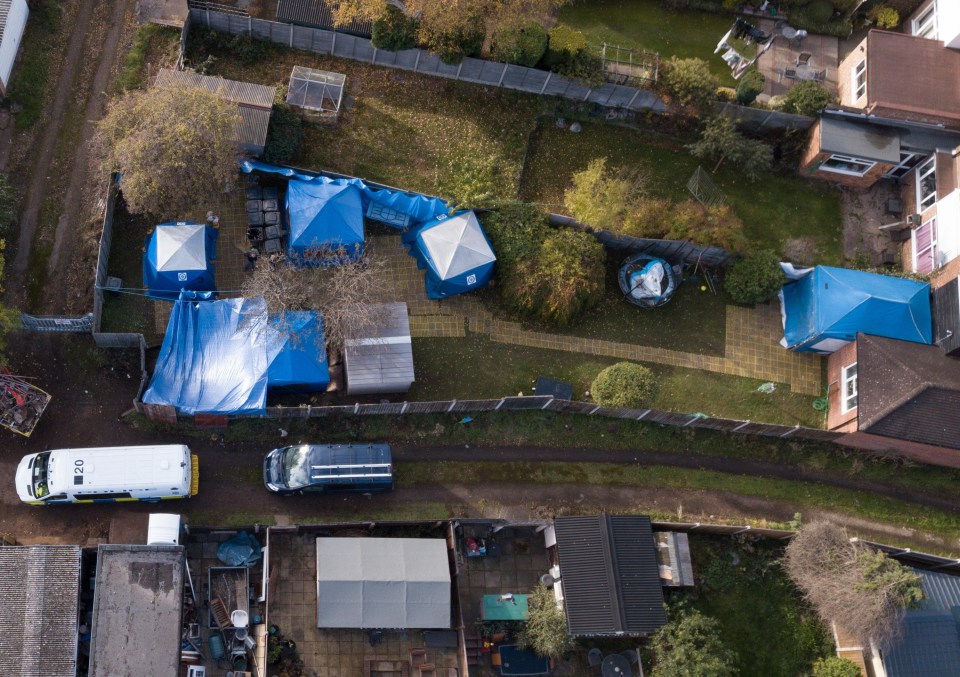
<point x="254" y="193"/>
<point x="254" y="205"/>
<point x="270" y="193"/>
<point x="272" y="246"/>
<point x="271" y="218"/>
<point x="271" y="232"/>
<point x="255" y="218"/>
<point x="269" y="206"/>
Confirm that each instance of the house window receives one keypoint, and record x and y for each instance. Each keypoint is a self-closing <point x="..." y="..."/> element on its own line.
<point x="848" y="393"/>
<point x="860" y="80"/>
<point x="907" y="162"/>
<point x="927" y="184"/>
<point x="925" y="254"/>
<point x="842" y="164"/>
<point x="925" y="25"/>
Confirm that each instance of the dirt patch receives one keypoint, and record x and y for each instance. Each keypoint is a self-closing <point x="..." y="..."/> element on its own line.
<point x="864" y="211"/>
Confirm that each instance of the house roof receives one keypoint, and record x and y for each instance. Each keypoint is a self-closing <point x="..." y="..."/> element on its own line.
<point x="929" y="643"/>
<point x="39" y="592"/>
<point x="908" y="391"/>
<point x="861" y="140"/>
<point x="914" y="75"/>
<point x="610" y="576"/>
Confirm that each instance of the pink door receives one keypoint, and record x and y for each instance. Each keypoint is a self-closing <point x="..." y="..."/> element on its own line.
<point x="925" y="246"/>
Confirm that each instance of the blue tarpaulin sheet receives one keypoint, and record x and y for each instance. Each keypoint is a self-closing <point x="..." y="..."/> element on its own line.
<point x="455" y="252"/>
<point x="323" y="215"/>
<point x="214" y="358"/>
<point x="827" y="307"/>
<point x="417" y="206"/>
<point x="243" y="550"/>
<point x="179" y="256"/>
<point x="296" y="355"/>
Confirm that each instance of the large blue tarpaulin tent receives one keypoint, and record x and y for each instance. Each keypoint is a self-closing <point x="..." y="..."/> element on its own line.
<point x="827" y="307"/>
<point x="296" y="353"/>
<point x="416" y="206"/>
<point x="323" y="215"/>
<point x="179" y="256"/>
<point x="214" y="358"/>
<point x="455" y="253"/>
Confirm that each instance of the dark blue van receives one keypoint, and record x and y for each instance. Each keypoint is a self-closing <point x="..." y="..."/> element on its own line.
<point x="328" y="468"/>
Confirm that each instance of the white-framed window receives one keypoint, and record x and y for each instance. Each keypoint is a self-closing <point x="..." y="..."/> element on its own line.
<point x="844" y="164"/>
<point x="926" y="256"/>
<point x="860" y="80"/>
<point x="848" y="388"/>
<point x="925" y="25"/>
<point x="927" y="183"/>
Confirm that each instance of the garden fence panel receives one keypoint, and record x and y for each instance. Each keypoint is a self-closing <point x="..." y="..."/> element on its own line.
<point x="103" y="253"/>
<point x="759" y="121"/>
<point x="117" y="340"/>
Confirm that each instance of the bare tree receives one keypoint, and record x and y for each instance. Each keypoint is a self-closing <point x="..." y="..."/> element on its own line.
<point x="850" y="583"/>
<point x="344" y="291"/>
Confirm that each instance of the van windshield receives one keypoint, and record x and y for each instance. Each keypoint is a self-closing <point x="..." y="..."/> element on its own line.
<point x="296" y="466"/>
<point x="40" y="486"/>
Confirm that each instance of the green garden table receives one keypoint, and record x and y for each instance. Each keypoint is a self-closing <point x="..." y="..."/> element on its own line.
<point x="496" y="609"/>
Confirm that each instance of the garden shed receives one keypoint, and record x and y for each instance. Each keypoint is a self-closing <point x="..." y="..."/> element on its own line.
<point x="455" y="252"/>
<point x="296" y="354"/>
<point x="372" y="583"/>
<point x="316" y="94"/>
<point x="382" y="362"/>
<point x="825" y="309"/>
<point x="179" y="256"/>
<point x="323" y="215"/>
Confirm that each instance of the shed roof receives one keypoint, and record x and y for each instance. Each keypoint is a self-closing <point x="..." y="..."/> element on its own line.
<point x="611" y="579"/>
<point x="929" y="643"/>
<point x="4" y="13"/>
<point x="382" y="363"/>
<point x="908" y="391"/>
<point x="317" y="13"/>
<point x="137" y="607"/>
<point x="164" y="12"/>
<point x="39" y="592"/>
<point x="383" y="583"/>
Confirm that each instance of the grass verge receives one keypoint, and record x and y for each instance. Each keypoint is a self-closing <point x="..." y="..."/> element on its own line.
<point x="28" y="87"/>
<point x="151" y="41"/>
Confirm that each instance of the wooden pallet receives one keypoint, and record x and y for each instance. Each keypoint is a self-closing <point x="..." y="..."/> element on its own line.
<point x="219" y="610"/>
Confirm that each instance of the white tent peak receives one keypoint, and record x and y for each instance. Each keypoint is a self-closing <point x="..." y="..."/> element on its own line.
<point x="181" y="247"/>
<point x="457" y="244"/>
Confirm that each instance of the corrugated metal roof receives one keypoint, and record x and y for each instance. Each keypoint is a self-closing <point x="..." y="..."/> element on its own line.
<point x="942" y="591"/>
<point x="382" y="363"/>
<point x="317" y="13"/>
<point x="929" y="646"/>
<point x="39" y="593"/>
<point x="611" y="580"/>
<point x="243" y="93"/>
<point x="137" y="607"/>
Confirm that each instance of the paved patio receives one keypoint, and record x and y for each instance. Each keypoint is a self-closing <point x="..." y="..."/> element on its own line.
<point x="825" y="51"/>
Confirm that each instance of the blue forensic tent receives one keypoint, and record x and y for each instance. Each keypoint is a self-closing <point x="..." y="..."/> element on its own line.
<point x="299" y="364"/>
<point x="415" y="205"/>
<point x="456" y="253"/>
<point x="214" y="358"/>
<point x="323" y="215"/>
<point x="179" y="256"/>
<point x="824" y="309"/>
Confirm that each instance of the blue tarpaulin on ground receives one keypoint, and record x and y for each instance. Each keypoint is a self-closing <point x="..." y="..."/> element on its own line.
<point x="214" y="358"/>
<point x="296" y="354"/>
<point x="179" y="256"/>
<point x="323" y="215"/>
<point x="455" y="252"/>
<point x="417" y="206"/>
<point x="827" y="307"/>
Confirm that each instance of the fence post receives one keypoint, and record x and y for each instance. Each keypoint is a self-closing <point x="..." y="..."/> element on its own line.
<point x="208" y="19"/>
<point x="644" y="414"/>
<point x="291" y="36"/>
<point x="499" y="404"/>
<point x="452" y="405"/>
<point x="742" y="425"/>
<point x="249" y="26"/>
<point x="403" y="409"/>
<point x="765" y="120"/>
<point x="502" y="75"/>
<point x="333" y="47"/>
<point x="791" y="431"/>
<point x="547" y="404"/>
<point x="589" y="92"/>
<point x="374" y="59"/>
<point x="459" y="68"/>
<point x="356" y="407"/>
<point x="546" y="82"/>
<point x="595" y="410"/>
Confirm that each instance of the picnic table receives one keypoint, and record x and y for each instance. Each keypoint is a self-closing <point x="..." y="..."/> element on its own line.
<point x="495" y="608"/>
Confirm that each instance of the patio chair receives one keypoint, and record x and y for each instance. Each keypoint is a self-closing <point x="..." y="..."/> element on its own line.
<point x="428" y="670"/>
<point x="790" y="74"/>
<point x="594" y="657"/>
<point x="418" y="657"/>
<point x="820" y="76"/>
<point x="804" y="59"/>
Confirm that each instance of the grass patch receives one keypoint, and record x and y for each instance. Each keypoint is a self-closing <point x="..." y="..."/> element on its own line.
<point x="28" y="87"/>
<point x="151" y="41"/>
<point x="39" y="255"/>
<point x="774" y="210"/>
<point x="649" y="25"/>
<point x="401" y="128"/>
<point x="128" y="312"/>
<point x="446" y="369"/>
<point x="803" y="495"/>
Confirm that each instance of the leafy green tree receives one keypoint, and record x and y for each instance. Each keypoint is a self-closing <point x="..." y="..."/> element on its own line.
<point x="394" y="30"/>
<point x="885" y="17"/>
<point x="563" y="45"/>
<point x="690" y="646"/>
<point x="173" y="146"/>
<point x="284" y="132"/>
<point x="721" y="141"/>
<point x="806" y="98"/>
<point x="834" y="666"/>
<point x="453" y="41"/>
<point x="545" y="632"/>
<point x="624" y="384"/>
<point x="755" y="279"/>
<point x="522" y="44"/>
<point x="750" y="87"/>
<point x="602" y="200"/>
<point x="470" y="179"/>
<point x="689" y="82"/>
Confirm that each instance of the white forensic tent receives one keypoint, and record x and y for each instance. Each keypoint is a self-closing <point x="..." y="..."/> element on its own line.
<point x="391" y="583"/>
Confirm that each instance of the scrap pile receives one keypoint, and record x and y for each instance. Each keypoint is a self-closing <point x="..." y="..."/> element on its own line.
<point x="21" y="404"/>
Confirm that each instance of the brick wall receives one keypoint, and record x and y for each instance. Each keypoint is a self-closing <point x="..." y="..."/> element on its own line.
<point x="836" y="419"/>
<point x="845" y="90"/>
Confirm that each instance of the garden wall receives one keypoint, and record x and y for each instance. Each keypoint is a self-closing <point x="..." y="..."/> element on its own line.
<point x="478" y="71"/>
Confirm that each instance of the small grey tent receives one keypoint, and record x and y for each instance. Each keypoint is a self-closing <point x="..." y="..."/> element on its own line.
<point x="383" y="583"/>
<point x="383" y="361"/>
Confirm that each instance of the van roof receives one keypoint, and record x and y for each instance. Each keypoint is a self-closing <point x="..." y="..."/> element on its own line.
<point x="120" y="468"/>
<point x="340" y="463"/>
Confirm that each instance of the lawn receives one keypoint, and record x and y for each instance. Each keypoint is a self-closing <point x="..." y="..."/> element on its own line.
<point x="128" y="312"/>
<point x="774" y="210"/>
<point x="649" y="25"/>
<point x="29" y="82"/>
<point x="447" y="369"/>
